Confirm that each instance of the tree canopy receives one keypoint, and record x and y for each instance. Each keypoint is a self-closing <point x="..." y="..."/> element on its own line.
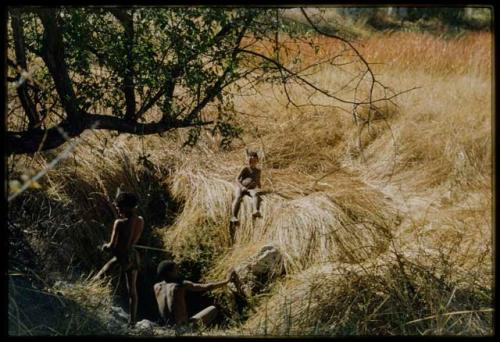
<point x="149" y="70"/>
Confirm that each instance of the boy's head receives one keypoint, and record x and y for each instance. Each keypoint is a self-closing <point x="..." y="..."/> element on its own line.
<point x="126" y="201"/>
<point x="253" y="158"/>
<point x="167" y="270"/>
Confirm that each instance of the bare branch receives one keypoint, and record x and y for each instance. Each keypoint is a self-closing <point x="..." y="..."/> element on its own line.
<point x="44" y="139"/>
<point x="303" y="80"/>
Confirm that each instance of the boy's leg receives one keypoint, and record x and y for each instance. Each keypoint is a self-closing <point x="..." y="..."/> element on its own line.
<point x="255" y="203"/>
<point x="131" y="277"/>
<point x="105" y="268"/>
<point x="205" y="316"/>
<point x="238" y="195"/>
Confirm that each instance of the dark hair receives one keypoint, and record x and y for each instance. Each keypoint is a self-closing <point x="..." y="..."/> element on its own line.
<point x="126" y="200"/>
<point x="164" y="267"/>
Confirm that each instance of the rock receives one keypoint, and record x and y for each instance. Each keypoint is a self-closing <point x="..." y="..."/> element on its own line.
<point x="259" y="269"/>
<point x="119" y="314"/>
<point x="146" y="328"/>
<point x="145" y="325"/>
<point x="266" y="261"/>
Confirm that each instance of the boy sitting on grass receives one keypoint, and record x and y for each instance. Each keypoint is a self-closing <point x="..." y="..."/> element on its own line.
<point x="127" y="230"/>
<point x="171" y="293"/>
<point x="248" y="183"/>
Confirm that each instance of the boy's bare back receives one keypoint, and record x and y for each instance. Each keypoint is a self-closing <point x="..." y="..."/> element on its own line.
<point x="128" y="231"/>
<point x="171" y="299"/>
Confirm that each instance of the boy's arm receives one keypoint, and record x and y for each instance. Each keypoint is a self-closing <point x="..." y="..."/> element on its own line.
<point x="240" y="178"/>
<point x="114" y="235"/>
<point x="198" y="287"/>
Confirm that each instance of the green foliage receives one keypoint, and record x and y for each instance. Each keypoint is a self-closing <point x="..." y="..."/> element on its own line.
<point x="174" y="61"/>
<point x="193" y="137"/>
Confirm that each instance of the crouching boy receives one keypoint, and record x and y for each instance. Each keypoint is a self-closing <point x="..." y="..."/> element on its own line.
<point x="171" y="294"/>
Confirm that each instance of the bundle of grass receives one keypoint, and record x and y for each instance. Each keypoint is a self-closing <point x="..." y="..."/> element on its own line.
<point x="336" y="217"/>
<point x="347" y="221"/>
<point x="392" y="297"/>
<point x="206" y="209"/>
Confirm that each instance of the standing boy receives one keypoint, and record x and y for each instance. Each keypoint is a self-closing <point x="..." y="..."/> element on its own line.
<point x="127" y="230"/>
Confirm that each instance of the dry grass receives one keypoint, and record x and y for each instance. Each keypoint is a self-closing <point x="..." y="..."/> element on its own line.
<point x="79" y="308"/>
<point x="371" y="299"/>
<point x="391" y="239"/>
<point x="468" y="55"/>
<point x="423" y="187"/>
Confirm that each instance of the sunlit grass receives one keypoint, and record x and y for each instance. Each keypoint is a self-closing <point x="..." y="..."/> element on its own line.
<point x="393" y="238"/>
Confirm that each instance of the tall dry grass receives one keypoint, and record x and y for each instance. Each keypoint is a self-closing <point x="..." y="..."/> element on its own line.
<point x="393" y="238"/>
<point x="420" y="189"/>
<point x="78" y="308"/>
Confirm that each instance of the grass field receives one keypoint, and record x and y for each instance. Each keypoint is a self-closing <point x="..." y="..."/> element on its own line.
<point x="393" y="238"/>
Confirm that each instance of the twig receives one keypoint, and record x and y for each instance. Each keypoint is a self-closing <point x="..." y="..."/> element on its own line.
<point x="449" y="314"/>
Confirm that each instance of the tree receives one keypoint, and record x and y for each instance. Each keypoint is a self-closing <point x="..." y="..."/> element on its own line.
<point x="150" y="70"/>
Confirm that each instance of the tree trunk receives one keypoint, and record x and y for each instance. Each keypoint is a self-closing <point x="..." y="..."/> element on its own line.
<point x="22" y="89"/>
